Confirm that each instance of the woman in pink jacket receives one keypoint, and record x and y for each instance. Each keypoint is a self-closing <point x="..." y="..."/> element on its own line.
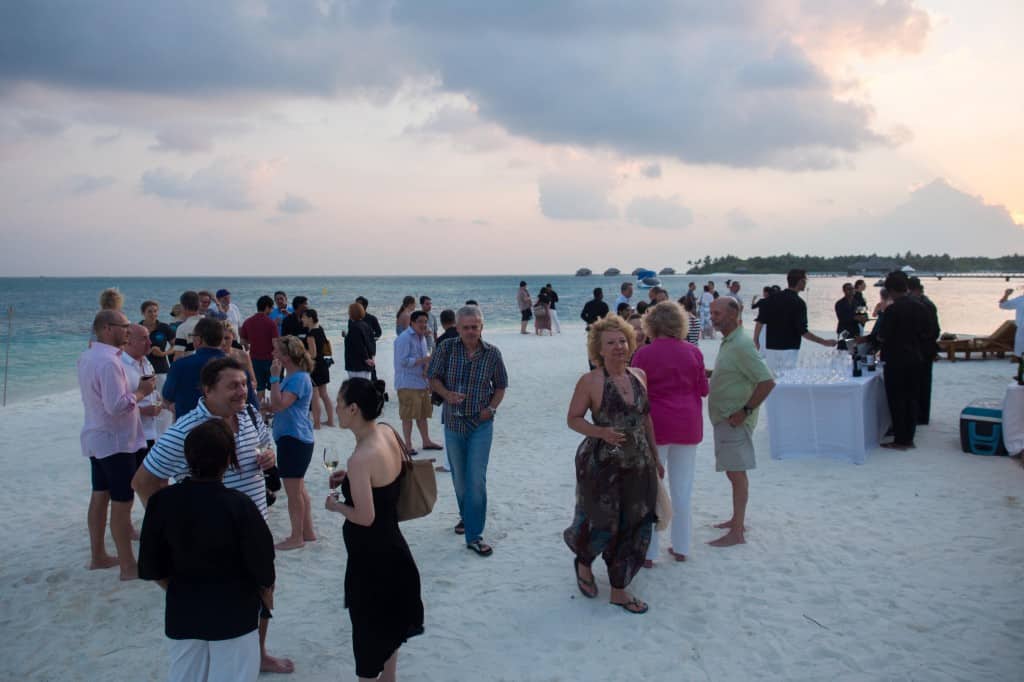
<point x="676" y="382"/>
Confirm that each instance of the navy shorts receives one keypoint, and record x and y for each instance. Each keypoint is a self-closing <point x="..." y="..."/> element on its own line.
<point x="293" y="457"/>
<point x="527" y="314"/>
<point x="262" y="370"/>
<point x="114" y="474"/>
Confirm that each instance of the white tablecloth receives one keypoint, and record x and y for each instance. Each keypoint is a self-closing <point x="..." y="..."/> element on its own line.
<point x="1013" y="418"/>
<point x="828" y="420"/>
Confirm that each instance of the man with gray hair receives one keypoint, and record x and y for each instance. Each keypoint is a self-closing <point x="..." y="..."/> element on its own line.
<point x="112" y="438"/>
<point x="740" y="382"/>
<point x="469" y="374"/>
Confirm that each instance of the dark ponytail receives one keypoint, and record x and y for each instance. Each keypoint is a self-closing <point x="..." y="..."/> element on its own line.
<point x="364" y="395"/>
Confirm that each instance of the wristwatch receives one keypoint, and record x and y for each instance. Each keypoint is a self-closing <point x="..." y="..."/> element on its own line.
<point x="748" y="410"/>
<point x="492" y="410"/>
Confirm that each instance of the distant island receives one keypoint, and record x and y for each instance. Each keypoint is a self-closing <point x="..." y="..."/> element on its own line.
<point x="765" y="265"/>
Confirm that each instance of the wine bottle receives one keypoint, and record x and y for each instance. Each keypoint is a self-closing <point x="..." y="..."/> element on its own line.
<point x="1020" y="371"/>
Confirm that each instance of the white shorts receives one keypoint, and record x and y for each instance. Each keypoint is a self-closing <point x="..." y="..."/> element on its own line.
<point x="226" y="660"/>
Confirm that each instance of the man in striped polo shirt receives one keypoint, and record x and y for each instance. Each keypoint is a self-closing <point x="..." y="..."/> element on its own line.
<point x="225" y="389"/>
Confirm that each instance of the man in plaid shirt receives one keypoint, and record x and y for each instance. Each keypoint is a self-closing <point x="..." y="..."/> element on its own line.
<point x="470" y="375"/>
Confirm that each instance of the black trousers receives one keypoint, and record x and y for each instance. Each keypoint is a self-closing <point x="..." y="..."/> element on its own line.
<point x="924" y="399"/>
<point x="903" y="391"/>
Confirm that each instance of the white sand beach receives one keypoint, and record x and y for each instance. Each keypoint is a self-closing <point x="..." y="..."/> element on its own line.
<point x="910" y="567"/>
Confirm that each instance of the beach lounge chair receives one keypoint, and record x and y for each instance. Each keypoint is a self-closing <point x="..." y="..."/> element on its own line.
<point x="998" y="343"/>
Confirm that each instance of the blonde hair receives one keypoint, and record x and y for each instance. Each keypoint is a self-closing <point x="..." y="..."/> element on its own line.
<point x="665" y="319"/>
<point x="609" y="323"/>
<point x="111" y="299"/>
<point x="229" y="328"/>
<point x="296" y="352"/>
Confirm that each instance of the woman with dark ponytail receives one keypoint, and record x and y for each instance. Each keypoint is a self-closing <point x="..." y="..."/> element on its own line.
<point x="382" y="583"/>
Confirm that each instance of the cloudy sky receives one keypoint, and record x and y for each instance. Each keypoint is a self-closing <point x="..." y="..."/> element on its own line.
<point x="439" y="136"/>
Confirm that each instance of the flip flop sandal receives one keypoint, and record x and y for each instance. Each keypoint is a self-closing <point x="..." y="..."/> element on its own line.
<point x="460" y="528"/>
<point x="433" y="447"/>
<point x="588" y="588"/>
<point x="480" y="547"/>
<point x="638" y="607"/>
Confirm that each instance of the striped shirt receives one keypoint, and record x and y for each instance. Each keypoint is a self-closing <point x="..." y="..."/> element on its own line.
<point x="478" y="376"/>
<point x="167" y="458"/>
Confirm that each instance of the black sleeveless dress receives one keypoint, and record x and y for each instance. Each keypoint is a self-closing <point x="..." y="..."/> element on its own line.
<point x="382" y="583"/>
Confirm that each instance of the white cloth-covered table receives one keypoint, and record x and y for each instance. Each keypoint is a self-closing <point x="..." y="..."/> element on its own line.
<point x="1013" y="418"/>
<point x="828" y="420"/>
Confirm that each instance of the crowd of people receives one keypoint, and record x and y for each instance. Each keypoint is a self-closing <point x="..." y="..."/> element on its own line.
<point x="226" y="406"/>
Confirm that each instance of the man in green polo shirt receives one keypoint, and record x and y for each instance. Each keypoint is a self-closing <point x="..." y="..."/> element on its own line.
<point x="739" y="384"/>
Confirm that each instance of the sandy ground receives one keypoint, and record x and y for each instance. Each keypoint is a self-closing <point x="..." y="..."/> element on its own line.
<point x="910" y="567"/>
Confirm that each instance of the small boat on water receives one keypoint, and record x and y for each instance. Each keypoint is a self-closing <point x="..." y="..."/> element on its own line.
<point x="646" y="279"/>
<point x="612" y="272"/>
<point x="584" y="272"/>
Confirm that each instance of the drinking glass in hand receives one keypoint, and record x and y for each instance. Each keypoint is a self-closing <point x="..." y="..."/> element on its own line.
<point x="330" y="460"/>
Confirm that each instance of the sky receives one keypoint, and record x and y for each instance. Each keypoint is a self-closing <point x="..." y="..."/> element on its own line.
<point x="351" y="137"/>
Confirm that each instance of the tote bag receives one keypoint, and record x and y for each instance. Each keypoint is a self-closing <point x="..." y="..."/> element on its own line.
<point x="417" y="487"/>
<point x="663" y="507"/>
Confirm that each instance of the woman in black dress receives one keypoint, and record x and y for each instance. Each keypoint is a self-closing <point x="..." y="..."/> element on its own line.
<point x="382" y="584"/>
<point x="317" y="345"/>
<point x="359" y="344"/>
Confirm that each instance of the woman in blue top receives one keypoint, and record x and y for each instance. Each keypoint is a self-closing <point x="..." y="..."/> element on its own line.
<point x="293" y="432"/>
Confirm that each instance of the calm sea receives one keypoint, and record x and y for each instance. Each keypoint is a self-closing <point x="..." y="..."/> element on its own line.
<point x="52" y="316"/>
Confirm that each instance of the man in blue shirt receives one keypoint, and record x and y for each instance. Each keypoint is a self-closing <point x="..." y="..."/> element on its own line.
<point x="182" y="387"/>
<point x="281" y="309"/>
<point x="411" y="360"/>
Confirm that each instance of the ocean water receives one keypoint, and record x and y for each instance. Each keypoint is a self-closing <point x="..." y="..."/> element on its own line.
<point x="52" y="316"/>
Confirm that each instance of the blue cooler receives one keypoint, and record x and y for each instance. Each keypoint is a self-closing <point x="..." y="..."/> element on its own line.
<point x="981" y="428"/>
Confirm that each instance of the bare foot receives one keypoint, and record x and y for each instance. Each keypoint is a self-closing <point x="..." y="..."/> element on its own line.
<point x="648" y="563"/>
<point x="131" y="574"/>
<point x="273" y="664"/>
<point x="105" y="561"/>
<point x="316" y="427"/>
<point x="442" y="468"/>
<point x="726" y="524"/>
<point x="676" y="555"/>
<point x="309" y="537"/>
<point x="330" y="424"/>
<point x="289" y="543"/>
<point x="733" y="537"/>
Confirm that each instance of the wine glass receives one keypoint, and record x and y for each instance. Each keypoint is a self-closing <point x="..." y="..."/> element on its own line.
<point x="330" y="459"/>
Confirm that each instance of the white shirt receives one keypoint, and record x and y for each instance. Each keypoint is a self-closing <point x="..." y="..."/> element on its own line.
<point x="136" y="369"/>
<point x="234" y="316"/>
<point x="621" y="299"/>
<point x="1018" y="305"/>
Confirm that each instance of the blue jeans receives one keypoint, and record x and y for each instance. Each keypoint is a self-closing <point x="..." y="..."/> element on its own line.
<point x="469" y="454"/>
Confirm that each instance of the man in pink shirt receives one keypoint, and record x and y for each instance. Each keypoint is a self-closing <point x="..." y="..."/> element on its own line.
<point x="111" y="438"/>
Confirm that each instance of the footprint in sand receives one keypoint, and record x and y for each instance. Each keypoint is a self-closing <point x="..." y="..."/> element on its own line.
<point x="1012" y="501"/>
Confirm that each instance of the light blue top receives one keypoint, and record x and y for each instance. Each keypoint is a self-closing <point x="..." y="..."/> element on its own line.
<point x="410" y="347"/>
<point x="295" y="421"/>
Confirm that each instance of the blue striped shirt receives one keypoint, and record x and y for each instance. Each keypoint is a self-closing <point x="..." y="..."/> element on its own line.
<point x="167" y="457"/>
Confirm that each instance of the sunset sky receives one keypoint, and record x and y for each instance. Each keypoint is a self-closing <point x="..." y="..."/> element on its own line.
<point x="244" y="137"/>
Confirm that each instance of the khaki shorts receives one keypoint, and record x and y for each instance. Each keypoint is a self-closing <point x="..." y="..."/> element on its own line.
<point x="734" y="448"/>
<point x="414" y="403"/>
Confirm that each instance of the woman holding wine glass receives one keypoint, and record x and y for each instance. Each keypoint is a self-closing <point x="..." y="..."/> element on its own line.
<point x="617" y="465"/>
<point x="382" y="583"/>
<point x="293" y="432"/>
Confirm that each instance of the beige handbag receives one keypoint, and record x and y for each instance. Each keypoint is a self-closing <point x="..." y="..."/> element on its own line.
<point x="417" y="487"/>
<point x="663" y="507"/>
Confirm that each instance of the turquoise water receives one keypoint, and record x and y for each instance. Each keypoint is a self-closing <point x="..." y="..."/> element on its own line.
<point x="52" y="316"/>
